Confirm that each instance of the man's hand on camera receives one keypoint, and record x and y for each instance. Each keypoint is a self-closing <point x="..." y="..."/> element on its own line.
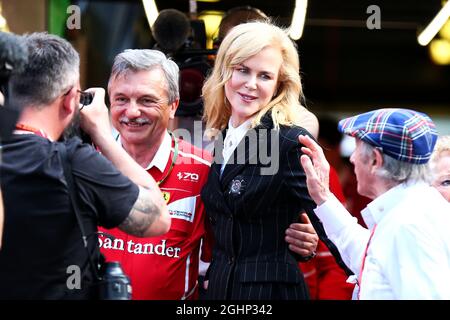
<point x="94" y="117"/>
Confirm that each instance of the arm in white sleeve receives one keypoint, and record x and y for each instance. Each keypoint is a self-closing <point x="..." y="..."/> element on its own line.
<point x="344" y="231"/>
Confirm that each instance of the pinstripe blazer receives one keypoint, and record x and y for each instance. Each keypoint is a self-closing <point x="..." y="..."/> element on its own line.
<point x="250" y="206"/>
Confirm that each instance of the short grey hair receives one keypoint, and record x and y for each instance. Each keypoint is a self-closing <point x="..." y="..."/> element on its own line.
<point x="397" y="171"/>
<point x="53" y="68"/>
<point x="134" y="60"/>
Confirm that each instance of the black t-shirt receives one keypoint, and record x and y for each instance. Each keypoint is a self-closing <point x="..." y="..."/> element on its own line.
<point x="42" y="244"/>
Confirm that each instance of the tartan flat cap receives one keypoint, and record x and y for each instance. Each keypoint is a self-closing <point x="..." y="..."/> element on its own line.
<point x="402" y="134"/>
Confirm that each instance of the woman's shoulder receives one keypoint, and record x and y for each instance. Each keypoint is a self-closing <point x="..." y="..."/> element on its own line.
<point x="306" y="124"/>
<point x="289" y="134"/>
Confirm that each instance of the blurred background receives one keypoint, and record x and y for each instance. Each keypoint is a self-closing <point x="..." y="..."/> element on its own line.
<point x="346" y="66"/>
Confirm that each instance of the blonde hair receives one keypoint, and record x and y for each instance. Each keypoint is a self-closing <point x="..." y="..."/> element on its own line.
<point x="241" y="43"/>
<point x="442" y="145"/>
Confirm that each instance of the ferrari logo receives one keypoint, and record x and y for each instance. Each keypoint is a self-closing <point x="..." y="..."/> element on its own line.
<point x="166" y="196"/>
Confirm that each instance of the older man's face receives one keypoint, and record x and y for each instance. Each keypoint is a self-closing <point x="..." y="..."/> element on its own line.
<point x="364" y="177"/>
<point x="140" y="110"/>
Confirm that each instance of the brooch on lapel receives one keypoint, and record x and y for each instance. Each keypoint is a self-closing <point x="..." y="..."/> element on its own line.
<point x="237" y="186"/>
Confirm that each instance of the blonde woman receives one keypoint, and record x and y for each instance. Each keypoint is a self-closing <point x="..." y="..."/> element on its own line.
<point x="256" y="186"/>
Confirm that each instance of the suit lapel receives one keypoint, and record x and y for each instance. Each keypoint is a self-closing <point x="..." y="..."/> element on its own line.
<point x="218" y="159"/>
<point x="247" y="151"/>
<point x="240" y="159"/>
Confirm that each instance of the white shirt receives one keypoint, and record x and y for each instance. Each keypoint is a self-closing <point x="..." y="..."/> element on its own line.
<point x="409" y="253"/>
<point x="161" y="157"/>
<point x="232" y="139"/>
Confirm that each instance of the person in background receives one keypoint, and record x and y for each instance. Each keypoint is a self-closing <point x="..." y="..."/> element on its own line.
<point x="236" y="16"/>
<point x="42" y="244"/>
<point x="252" y="98"/>
<point x="172" y="32"/>
<point x="440" y="166"/>
<point x="404" y="253"/>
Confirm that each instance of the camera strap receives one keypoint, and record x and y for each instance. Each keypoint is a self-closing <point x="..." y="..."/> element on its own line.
<point x="67" y="168"/>
<point x="174" y="157"/>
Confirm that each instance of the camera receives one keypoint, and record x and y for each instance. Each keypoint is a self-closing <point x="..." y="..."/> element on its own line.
<point x="114" y="283"/>
<point x="74" y="129"/>
<point x="86" y="98"/>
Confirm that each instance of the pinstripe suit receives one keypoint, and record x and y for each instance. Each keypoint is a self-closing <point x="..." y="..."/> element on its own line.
<point x="249" y="213"/>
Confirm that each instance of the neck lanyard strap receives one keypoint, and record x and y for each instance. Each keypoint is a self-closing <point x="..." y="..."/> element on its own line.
<point x="174" y="158"/>
<point x="364" y="259"/>
<point x="24" y="127"/>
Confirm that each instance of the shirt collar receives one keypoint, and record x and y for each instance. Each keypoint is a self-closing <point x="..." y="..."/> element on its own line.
<point x="162" y="155"/>
<point x="377" y="209"/>
<point x="240" y="130"/>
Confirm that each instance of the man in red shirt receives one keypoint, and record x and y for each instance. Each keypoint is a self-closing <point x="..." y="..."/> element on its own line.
<point x="143" y="91"/>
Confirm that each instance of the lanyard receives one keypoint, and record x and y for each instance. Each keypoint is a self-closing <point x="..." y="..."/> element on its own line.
<point x="364" y="259"/>
<point x="24" y="127"/>
<point x="174" y="158"/>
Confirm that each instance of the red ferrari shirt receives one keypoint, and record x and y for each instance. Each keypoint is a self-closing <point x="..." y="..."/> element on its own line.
<point x="166" y="267"/>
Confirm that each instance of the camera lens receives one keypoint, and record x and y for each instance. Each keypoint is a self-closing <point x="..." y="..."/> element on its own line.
<point x="115" y="284"/>
<point x="86" y="98"/>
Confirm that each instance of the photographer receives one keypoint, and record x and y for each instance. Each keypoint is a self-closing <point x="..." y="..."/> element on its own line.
<point x="42" y="241"/>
